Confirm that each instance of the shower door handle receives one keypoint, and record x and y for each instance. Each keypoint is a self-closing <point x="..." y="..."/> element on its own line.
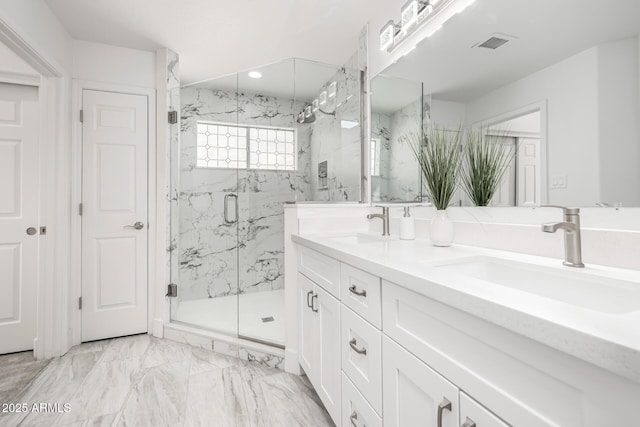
<point x="226" y="208"/>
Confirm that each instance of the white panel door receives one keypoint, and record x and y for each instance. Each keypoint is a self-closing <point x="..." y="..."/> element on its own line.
<point x="18" y="211"/>
<point x="505" y="194"/>
<point x="528" y="172"/>
<point x="414" y="394"/>
<point x="114" y="221"/>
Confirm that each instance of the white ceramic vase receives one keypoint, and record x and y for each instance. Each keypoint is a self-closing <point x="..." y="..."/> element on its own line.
<point x="441" y="229"/>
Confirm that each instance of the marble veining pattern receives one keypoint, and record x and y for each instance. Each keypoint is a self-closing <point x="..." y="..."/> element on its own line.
<point x="141" y="380"/>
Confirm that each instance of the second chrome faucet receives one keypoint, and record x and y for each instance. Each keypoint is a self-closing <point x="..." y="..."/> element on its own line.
<point x="571" y="228"/>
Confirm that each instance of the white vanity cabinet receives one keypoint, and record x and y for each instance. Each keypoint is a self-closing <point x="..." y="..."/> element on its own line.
<point x="379" y="353"/>
<point x="319" y="356"/>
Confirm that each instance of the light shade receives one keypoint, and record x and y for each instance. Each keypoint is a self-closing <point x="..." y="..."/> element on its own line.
<point x="409" y="13"/>
<point x="314" y="105"/>
<point x="323" y="97"/>
<point x="332" y="89"/>
<point x="255" y="74"/>
<point x="307" y="111"/>
<point x="386" y="35"/>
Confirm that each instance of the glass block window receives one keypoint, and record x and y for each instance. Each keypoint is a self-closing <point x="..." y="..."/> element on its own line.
<point x="375" y="157"/>
<point x="246" y="147"/>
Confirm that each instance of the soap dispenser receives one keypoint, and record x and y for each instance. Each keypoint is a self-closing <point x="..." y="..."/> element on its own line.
<point x="407" y="226"/>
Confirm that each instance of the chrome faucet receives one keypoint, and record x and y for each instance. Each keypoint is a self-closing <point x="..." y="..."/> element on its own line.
<point x="571" y="228"/>
<point x="385" y="219"/>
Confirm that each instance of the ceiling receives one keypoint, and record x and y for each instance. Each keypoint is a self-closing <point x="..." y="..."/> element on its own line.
<point x="219" y="37"/>
<point x="546" y="32"/>
<point x="289" y="79"/>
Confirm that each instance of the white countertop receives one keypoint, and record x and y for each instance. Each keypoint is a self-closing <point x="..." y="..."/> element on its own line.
<point x="608" y="340"/>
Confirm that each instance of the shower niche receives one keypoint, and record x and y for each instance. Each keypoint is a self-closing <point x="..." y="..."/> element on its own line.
<point x="248" y="144"/>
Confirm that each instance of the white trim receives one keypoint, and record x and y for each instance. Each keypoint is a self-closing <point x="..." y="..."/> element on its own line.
<point x="19" y="78"/>
<point x="75" y="322"/>
<point x="544" y="133"/>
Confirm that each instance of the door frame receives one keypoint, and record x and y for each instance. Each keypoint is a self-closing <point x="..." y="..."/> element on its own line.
<point x="52" y="338"/>
<point x="540" y="106"/>
<point x="75" y="315"/>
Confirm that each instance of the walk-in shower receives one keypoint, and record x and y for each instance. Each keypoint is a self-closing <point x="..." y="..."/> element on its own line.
<point x="242" y="155"/>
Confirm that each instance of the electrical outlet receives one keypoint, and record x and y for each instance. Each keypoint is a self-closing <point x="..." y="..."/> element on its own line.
<point x="559" y="182"/>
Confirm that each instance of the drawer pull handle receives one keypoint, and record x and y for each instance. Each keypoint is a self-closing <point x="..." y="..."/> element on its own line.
<point x="445" y="404"/>
<point x="353" y="418"/>
<point x="308" y="295"/>
<point x="313" y="307"/>
<point x="469" y="423"/>
<point x="362" y="350"/>
<point x="353" y="290"/>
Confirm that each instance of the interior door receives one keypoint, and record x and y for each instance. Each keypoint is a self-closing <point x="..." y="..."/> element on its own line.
<point x="114" y="221"/>
<point x="18" y="216"/>
<point x="529" y="190"/>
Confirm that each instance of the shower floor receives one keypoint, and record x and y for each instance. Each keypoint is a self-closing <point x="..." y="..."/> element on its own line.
<point x="221" y="315"/>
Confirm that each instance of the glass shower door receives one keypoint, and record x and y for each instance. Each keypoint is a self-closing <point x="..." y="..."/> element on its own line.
<point x="206" y="239"/>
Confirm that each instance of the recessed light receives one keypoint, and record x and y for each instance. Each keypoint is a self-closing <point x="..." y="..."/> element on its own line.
<point x="255" y="74"/>
<point x="348" y="124"/>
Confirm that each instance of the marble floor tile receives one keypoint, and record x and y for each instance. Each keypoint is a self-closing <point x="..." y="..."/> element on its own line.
<point x="144" y="381"/>
<point x="126" y="347"/>
<point x="17" y="370"/>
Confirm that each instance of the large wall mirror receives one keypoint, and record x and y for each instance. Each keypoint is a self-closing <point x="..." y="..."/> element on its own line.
<point x="561" y="79"/>
<point x="398" y="114"/>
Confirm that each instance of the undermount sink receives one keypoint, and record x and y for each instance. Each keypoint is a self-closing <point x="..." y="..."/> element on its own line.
<point x="579" y="288"/>
<point x="355" y="239"/>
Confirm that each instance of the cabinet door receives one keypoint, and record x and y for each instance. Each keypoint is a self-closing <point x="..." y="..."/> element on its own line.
<point x="472" y="414"/>
<point x="307" y="331"/>
<point x="414" y="394"/>
<point x="328" y="352"/>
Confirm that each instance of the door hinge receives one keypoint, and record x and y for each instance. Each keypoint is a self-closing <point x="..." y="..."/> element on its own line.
<point x="81" y="116"/>
<point x="43" y="229"/>
<point x="172" y="290"/>
<point x="80" y="303"/>
<point x="173" y="117"/>
<point x="80" y="209"/>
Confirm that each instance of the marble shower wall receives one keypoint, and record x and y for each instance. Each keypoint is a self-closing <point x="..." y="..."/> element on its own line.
<point x="336" y="144"/>
<point x="400" y="176"/>
<point x="207" y="245"/>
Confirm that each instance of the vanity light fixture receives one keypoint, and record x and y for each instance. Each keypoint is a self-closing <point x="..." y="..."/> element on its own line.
<point x="255" y="74"/>
<point x="416" y="14"/>
<point x="410" y="10"/>
<point x="387" y="34"/>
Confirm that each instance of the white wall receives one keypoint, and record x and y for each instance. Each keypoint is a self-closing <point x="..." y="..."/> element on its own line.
<point x="618" y="120"/>
<point x="111" y="64"/>
<point x="570" y="88"/>
<point x="40" y="28"/>
<point x="13" y="64"/>
<point x="449" y="114"/>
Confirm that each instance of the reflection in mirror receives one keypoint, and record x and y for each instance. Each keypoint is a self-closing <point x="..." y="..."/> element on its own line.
<point x="574" y="90"/>
<point x="396" y="114"/>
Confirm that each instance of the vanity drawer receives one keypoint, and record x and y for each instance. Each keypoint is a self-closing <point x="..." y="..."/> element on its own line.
<point x="360" y="292"/>
<point x="362" y="356"/>
<point x="472" y="414"/>
<point x="356" y="411"/>
<point x="507" y="372"/>
<point x="321" y="269"/>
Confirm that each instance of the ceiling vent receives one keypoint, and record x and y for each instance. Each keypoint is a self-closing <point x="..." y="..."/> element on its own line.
<point x="495" y="41"/>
